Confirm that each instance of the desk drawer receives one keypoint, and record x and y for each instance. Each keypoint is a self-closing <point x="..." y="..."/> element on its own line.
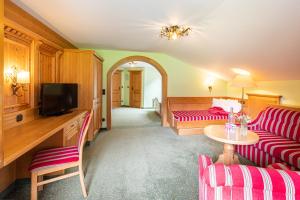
<point x="71" y="130"/>
<point x="71" y="133"/>
<point x="72" y="125"/>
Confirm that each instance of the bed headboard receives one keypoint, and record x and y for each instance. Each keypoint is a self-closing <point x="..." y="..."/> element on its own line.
<point x="257" y="102"/>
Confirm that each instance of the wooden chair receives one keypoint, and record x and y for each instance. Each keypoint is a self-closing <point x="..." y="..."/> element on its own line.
<point x="57" y="159"/>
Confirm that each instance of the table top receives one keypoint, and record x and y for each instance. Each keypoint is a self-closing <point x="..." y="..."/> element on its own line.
<point x="20" y="139"/>
<point x="219" y="133"/>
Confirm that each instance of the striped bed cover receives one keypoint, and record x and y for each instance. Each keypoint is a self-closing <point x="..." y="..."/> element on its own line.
<point x="238" y="182"/>
<point x="196" y="115"/>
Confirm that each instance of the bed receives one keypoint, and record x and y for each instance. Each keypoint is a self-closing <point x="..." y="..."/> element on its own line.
<point x="189" y="115"/>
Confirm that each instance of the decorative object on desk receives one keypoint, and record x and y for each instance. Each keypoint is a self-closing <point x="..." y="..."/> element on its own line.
<point x="243" y="81"/>
<point x="174" y="32"/>
<point x="19" y="79"/>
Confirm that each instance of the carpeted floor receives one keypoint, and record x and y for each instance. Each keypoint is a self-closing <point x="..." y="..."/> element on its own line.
<point x="135" y="163"/>
<point x="134" y="117"/>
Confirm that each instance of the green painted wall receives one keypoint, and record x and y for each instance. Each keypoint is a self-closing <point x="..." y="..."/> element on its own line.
<point x="183" y="79"/>
<point x="152" y="86"/>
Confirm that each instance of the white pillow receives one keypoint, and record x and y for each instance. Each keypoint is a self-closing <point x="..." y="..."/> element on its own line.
<point x="227" y="104"/>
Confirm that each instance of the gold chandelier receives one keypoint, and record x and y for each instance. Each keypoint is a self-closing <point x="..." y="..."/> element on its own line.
<point x="174" y="32"/>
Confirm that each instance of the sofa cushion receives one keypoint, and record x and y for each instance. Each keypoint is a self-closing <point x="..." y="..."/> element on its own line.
<point x="253" y="178"/>
<point x="282" y="122"/>
<point x="279" y="147"/>
<point x="281" y="166"/>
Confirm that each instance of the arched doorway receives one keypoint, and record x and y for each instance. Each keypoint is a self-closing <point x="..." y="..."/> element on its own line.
<point x="164" y="86"/>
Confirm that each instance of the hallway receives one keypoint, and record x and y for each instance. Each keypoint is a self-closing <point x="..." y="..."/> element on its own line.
<point x="125" y="117"/>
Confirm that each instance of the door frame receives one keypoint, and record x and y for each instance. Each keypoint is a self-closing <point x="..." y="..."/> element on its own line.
<point x="120" y="87"/>
<point x="150" y="61"/>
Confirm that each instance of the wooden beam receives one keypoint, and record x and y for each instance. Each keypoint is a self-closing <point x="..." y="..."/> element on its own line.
<point x="14" y="13"/>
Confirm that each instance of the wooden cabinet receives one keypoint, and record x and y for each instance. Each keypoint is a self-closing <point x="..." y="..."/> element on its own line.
<point x="85" y="68"/>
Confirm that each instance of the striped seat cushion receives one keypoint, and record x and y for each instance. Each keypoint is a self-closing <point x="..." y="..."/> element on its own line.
<point x="282" y="122"/>
<point x="55" y="156"/>
<point x="194" y="115"/>
<point x="254" y="180"/>
<point x="285" y="149"/>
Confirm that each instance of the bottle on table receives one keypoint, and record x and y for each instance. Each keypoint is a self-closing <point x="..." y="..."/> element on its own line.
<point x="231" y="119"/>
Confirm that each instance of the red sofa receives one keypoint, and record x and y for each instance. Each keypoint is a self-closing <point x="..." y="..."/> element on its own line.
<point x="279" y="138"/>
<point x="238" y="182"/>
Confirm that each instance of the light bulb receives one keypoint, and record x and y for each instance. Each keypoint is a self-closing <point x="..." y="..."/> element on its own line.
<point x="174" y="36"/>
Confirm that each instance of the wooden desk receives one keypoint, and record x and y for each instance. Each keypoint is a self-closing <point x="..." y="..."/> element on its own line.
<point x="21" y="139"/>
<point x="19" y="143"/>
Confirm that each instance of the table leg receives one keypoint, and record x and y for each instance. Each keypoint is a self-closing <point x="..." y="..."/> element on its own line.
<point x="228" y="157"/>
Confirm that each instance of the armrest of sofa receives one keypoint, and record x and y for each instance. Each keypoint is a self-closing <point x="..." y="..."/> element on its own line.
<point x="204" y="161"/>
<point x="255" y="124"/>
<point x="251" y="177"/>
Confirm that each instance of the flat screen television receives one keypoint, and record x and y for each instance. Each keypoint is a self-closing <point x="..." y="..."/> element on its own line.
<point x="58" y="98"/>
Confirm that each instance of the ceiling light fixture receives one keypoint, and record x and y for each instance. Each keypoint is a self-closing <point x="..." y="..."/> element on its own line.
<point x="132" y="64"/>
<point x="241" y="71"/>
<point x="174" y="32"/>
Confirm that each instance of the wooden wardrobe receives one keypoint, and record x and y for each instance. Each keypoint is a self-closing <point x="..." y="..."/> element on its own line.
<point x="85" y="68"/>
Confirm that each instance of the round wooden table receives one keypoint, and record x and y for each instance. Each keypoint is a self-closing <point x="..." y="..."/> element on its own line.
<point x="219" y="133"/>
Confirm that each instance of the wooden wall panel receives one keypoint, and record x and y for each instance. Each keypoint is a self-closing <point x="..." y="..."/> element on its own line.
<point x="9" y="119"/>
<point x="13" y="13"/>
<point x="18" y="55"/>
<point x="49" y="57"/>
<point x="47" y="68"/>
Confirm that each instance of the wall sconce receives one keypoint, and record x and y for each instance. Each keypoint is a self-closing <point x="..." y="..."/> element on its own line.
<point x="19" y="79"/>
<point x="210" y="82"/>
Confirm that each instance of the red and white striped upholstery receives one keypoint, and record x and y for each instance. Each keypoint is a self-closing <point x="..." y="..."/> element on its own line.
<point x="55" y="156"/>
<point x="282" y="122"/>
<point x="195" y="115"/>
<point x="278" y="131"/>
<point x="282" y="166"/>
<point x="238" y="182"/>
<point x="257" y="156"/>
<point x="61" y="155"/>
<point x="255" y="124"/>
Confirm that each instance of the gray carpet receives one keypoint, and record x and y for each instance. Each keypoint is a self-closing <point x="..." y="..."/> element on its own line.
<point x="133" y="117"/>
<point x="135" y="163"/>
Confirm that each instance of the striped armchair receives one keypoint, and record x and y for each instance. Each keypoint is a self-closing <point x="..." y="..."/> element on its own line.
<point x="279" y="138"/>
<point x="238" y="182"/>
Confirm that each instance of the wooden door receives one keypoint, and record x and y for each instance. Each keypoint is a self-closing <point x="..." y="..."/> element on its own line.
<point x="116" y="89"/>
<point x="135" y="89"/>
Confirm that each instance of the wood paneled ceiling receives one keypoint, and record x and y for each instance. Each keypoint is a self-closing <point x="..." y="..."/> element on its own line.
<point x="260" y="36"/>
